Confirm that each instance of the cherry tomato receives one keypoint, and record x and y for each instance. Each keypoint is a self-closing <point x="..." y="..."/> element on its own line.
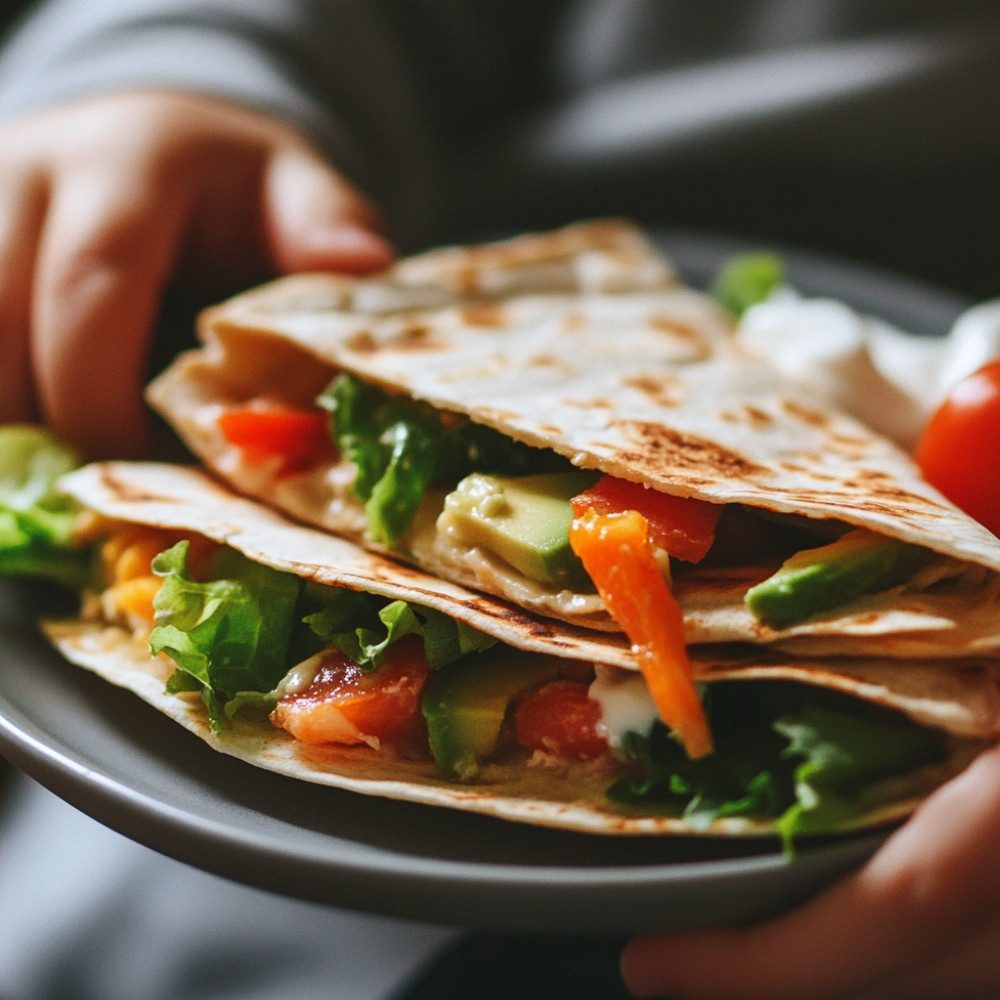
<point x="683" y="526"/>
<point x="347" y="705"/>
<point x="300" y="437"/>
<point x="959" y="451"/>
<point x="560" y="719"/>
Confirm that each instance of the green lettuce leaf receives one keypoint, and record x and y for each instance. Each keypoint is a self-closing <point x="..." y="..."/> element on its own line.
<point x="36" y="520"/>
<point x="445" y="640"/>
<point x="227" y="635"/>
<point x="839" y="754"/>
<point x="805" y="759"/>
<point x="236" y="636"/>
<point x="401" y="448"/>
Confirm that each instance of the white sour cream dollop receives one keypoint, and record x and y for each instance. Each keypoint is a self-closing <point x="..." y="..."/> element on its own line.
<point x="889" y="379"/>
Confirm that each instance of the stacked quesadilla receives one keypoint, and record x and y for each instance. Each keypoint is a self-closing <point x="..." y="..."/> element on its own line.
<point x="685" y="594"/>
<point x="282" y="645"/>
<point x="421" y="411"/>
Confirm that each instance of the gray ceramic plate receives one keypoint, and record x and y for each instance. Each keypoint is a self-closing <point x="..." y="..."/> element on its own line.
<point x="135" y="771"/>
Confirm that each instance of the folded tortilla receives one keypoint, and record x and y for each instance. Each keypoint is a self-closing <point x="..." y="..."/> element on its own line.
<point x="584" y="343"/>
<point x="958" y="703"/>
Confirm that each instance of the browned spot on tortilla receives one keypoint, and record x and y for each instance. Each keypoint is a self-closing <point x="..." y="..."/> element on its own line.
<point x="573" y="322"/>
<point x="847" y="445"/>
<point x="484" y="314"/>
<point x="491" y="413"/>
<point x="807" y="415"/>
<point x="692" y="337"/>
<point x="665" y="390"/>
<point x="587" y="404"/>
<point x="665" y="448"/>
<point x="362" y="343"/>
<point x="415" y="337"/>
<point x="876" y="484"/>
<point x="757" y="417"/>
<point x="551" y="361"/>
<point x="127" y="493"/>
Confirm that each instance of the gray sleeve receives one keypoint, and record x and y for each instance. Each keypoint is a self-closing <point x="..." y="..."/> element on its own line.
<point x="386" y="89"/>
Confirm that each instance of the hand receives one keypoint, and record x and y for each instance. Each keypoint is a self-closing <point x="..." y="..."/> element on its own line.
<point x="106" y="203"/>
<point x="920" y="921"/>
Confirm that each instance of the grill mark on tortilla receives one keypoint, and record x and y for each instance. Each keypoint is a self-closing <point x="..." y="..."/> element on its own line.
<point x="362" y="343"/>
<point x="815" y="418"/>
<point x="665" y="448"/>
<point x="123" y="492"/>
<point x="664" y="390"/>
<point x="587" y="404"/>
<point x="882" y="485"/>
<point x="551" y="361"/>
<point x="684" y="333"/>
<point x="752" y="415"/>
<point x="484" y="314"/>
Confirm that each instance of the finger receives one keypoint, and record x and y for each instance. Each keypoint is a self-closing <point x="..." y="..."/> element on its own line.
<point x="933" y="883"/>
<point x="21" y="209"/>
<point x="107" y="251"/>
<point x="970" y="972"/>
<point x="315" y="220"/>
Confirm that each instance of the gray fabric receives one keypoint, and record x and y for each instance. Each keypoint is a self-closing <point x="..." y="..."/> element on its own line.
<point x="858" y="126"/>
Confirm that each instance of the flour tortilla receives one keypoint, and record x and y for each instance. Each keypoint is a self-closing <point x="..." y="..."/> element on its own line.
<point x="963" y="698"/>
<point x="583" y="341"/>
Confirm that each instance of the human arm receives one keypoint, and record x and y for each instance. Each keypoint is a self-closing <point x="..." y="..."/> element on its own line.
<point x="147" y="144"/>
<point x="920" y="921"/>
<point x="106" y="202"/>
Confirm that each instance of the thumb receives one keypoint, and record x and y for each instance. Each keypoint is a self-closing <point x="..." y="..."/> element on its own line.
<point x="316" y="220"/>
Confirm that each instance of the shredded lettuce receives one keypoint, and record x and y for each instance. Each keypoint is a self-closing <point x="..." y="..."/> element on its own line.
<point x="401" y="448"/>
<point x="36" y="520"/>
<point x="803" y="759"/>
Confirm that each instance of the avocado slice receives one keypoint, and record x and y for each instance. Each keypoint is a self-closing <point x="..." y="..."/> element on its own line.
<point x="524" y="520"/>
<point x="859" y="562"/>
<point x="466" y="702"/>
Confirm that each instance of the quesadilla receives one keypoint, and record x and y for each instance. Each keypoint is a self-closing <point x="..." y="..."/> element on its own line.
<point x="467" y="409"/>
<point x="300" y="652"/>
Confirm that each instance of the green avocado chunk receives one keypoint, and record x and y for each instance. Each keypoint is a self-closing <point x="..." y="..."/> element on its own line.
<point x="859" y="562"/>
<point x="524" y="520"/>
<point x="466" y="702"/>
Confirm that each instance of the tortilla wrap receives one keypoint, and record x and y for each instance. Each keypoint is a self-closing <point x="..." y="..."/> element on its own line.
<point x="961" y="699"/>
<point x="584" y="342"/>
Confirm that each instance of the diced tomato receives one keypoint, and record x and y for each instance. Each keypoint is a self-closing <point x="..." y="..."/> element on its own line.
<point x="683" y="526"/>
<point x="560" y="719"/>
<point x="299" y="437"/>
<point x="618" y="555"/>
<point x="347" y="705"/>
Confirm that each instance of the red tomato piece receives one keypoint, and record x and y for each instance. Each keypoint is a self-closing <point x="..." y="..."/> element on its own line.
<point x="959" y="450"/>
<point x="560" y="719"/>
<point x="683" y="526"/>
<point x="299" y="437"/>
<point x="347" y="705"/>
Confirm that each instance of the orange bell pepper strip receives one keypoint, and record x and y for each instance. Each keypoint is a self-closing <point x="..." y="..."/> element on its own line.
<point x="617" y="553"/>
